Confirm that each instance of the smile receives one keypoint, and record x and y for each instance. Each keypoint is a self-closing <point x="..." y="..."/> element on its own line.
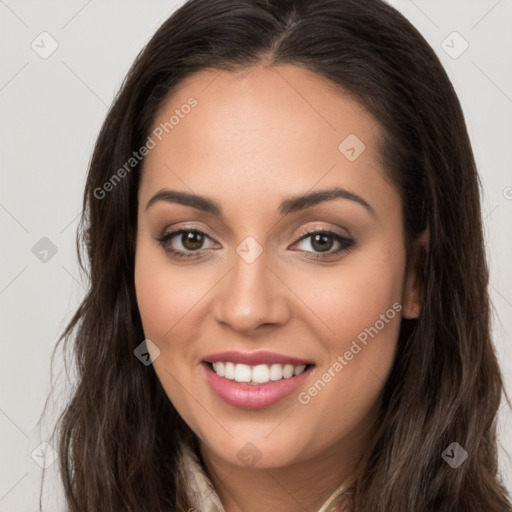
<point x="261" y="384"/>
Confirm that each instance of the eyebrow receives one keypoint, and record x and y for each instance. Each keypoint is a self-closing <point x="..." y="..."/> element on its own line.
<point x="289" y="205"/>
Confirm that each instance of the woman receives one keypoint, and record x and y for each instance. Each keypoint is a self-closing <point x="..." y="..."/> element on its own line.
<point x="282" y="215"/>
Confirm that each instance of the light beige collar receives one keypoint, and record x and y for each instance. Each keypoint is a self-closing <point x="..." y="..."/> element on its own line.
<point x="202" y="495"/>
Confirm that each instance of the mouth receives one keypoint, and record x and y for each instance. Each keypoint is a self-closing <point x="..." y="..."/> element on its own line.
<point x="258" y="374"/>
<point x="255" y="386"/>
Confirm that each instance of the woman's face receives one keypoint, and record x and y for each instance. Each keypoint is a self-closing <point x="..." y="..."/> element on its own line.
<point x="236" y="158"/>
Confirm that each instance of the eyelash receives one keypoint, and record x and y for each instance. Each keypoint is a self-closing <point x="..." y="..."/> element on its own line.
<point x="346" y="243"/>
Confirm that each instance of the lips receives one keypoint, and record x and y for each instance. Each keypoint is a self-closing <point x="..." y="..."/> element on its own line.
<point x="248" y="396"/>
<point x="255" y="395"/>
<point x="255" y="358"/>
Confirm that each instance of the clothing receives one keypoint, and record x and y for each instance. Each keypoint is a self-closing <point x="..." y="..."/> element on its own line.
<point x="201" y="494"/>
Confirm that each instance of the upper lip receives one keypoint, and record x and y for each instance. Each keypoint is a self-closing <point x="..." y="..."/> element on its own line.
<point x="255" y="358"/>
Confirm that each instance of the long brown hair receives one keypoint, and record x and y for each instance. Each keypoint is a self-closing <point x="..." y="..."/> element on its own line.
<point x="118" y="435"/>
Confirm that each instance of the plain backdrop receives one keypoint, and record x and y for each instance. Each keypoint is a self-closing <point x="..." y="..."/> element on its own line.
<point x="51" y="110"/>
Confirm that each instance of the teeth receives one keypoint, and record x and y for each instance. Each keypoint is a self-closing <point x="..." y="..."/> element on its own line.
<point x="276" y="372"/>
<point x="242" y="373"/>
<point x="229" y="371"/>
<point x="219" y="369"/>
<point x="299" y="369"/>
<point x="260" y="374"/>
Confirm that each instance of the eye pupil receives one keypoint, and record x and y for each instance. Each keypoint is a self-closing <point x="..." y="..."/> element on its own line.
<point x="320" y="239"/>
<point x="192" y="240"/>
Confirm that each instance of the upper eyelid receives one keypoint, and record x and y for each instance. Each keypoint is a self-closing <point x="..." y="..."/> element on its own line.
<point x="176" y="231"/>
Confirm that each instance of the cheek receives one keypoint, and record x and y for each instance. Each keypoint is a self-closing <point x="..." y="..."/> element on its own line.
<point x="154" y="299"/>
<point x="352" y="296"/>
<point x="360" y="307"/>
<point x="165" y="298"/>
<point x="164" y="294"/>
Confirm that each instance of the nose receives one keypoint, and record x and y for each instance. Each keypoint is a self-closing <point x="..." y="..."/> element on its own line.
<point x="252" y="296"/>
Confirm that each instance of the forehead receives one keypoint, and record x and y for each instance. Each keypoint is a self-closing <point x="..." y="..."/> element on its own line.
<point x="264" y="132"/>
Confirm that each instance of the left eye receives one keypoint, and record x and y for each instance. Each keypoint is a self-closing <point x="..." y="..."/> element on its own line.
<point x="323" y="241"/>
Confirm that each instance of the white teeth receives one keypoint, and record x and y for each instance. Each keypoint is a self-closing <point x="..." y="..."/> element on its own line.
<point x="276" y="372"/>
<point x="299" y="369"/>
<point x="242" y="373"/>
<point x="287" y="371"/>
<point x="259" y="374"/>
<point x="219" y="368"/>
<point x="229" y="371"/>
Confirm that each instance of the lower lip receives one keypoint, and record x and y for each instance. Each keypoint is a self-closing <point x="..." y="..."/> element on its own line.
<point x="254" y="396"/>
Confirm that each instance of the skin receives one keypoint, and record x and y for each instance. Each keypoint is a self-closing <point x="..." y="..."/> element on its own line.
<point x="254" y="139"/>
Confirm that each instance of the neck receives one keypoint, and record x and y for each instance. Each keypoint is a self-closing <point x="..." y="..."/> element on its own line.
<point x="301" y="486"/>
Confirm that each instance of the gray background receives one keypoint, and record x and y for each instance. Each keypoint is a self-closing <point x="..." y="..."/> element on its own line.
<point x="51" y="112"/>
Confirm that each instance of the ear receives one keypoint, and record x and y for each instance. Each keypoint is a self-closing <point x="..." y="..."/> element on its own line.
<point x="413" y="293"/>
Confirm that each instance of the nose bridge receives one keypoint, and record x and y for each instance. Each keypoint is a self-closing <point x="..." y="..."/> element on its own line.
<point x="251" y="295"/>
